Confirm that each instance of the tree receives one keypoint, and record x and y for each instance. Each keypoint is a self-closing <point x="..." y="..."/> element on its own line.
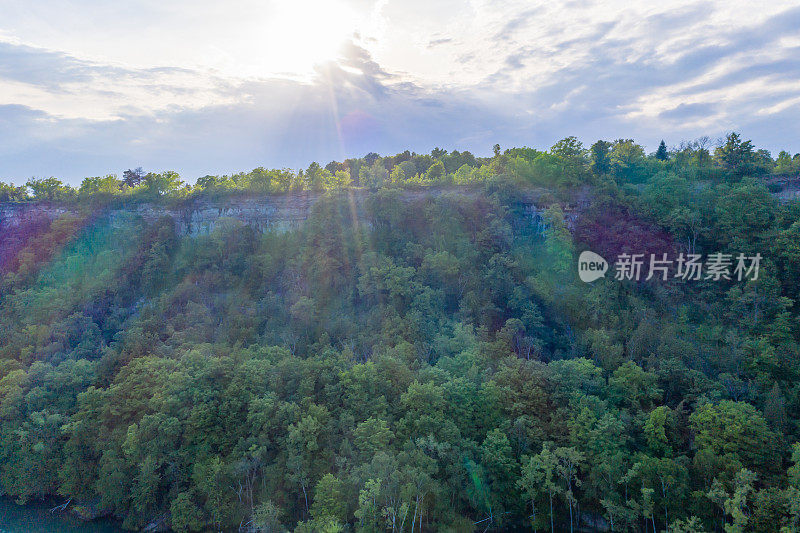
<point x="368" y="512"/>
<point x="743" y="214"/>
<point x="559" y="240"/>
<point x="212" y="482"/>
<point x="736" y="505"/>
<point x="405" y="360"/>
<point x="436" y="171"/>
<point x="735" y="433"/>
<point x="162" y="184"/>
<point x="569" y="148"/>
<point x="10" y="193"/>
<point x="340" y="180"/>
<point x="572" y="157"/>
<point x="691" y="525"/>
<point x="540" y="476"/>
<point x="374" y="175"/>
<point x="600" y="157"/>
<point x="329" y="499"/>
<point x="662" y="154"/>
<point x="316" y="177"/>
<point x="794" y="470"/>
<point x="500" y="469"/>
<point x="627" y="159"/>
<point x="569" y="459"/>
<point x="370" y="158"/>
<point x="100" y="185"/>
<point x="793" y="491"/>
<point x="633" y="387"/>
<point x="657" y="429"/>
<point x="736" y="155"/>
<point x="267" y="518"/>
<point x="303" y="442"/>
<point x="783" y="164"/>
<point x="185" y="514"/>
<point x="438" y="153"/>
<point x="50" y="189"/>
<point x="133" y="178"/>
<point x="371" y="436"/>
<point x="398" y="175"/>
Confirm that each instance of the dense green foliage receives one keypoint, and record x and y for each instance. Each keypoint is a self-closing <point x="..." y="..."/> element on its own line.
<point x="567" y="163"/>
<point x="429" y="364"/>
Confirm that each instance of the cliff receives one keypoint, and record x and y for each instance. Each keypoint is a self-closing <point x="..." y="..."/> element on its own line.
<point x="277" y="212"/>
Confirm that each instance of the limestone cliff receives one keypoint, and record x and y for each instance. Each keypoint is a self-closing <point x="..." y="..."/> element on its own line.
<point x="278" y="212"/>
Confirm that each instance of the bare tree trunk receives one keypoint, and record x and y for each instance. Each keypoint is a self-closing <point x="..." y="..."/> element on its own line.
<point x="416" y="508"/>
<point x="570" y="515"/>
<point x="61" y="507"/>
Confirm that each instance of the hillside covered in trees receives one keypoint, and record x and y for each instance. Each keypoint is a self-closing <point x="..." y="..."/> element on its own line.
<point x="413" y="363"/>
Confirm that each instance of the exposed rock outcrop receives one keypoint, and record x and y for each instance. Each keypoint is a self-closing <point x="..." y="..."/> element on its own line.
<point x="279" y="212"/>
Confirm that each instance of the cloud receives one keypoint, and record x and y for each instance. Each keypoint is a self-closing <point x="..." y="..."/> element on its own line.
<point x="684" y="111"/>
<point x="683" y="18"/>
<point x="438" y="42"/>
<point x="69" y="87"/>
<point x="458" y="78"/>
<point x="351" y="108"/>
<point x="44" y="68"/>
<point x="515" y="23"/>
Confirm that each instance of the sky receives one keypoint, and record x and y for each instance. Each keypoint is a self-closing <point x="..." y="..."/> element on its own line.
<point x="91" y="87"/>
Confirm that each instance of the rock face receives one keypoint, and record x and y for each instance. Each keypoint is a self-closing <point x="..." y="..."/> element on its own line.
<point x="785" y="187"/>
<point x="278" y="212"/>
<point x="195" y="217"/>
<point x="264" y="213"/>
<point x="19" y="223"/>
<point x="15" y="215"/>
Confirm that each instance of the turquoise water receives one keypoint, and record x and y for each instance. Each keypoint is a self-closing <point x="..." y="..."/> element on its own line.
<point x="36" y="518"/>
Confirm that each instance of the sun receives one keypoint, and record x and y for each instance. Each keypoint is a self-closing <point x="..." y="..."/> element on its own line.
<point x="305" y="33"/>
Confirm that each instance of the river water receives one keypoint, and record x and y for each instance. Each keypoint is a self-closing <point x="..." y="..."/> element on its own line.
<point x="36" y="517"/>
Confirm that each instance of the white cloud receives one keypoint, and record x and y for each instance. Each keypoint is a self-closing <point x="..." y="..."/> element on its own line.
<point x="205" y="86"/>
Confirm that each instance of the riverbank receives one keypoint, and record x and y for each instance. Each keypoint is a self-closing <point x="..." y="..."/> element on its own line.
<point x="35" y="517"/>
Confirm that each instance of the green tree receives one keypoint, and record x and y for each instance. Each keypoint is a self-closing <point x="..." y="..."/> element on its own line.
<point x="10" y="193"/>
<point x="662" y="154"/>
<point x="133" y="177"/>
<point x="627" y="160"/>
<point x="50" y="189"/>
<point x="736" y="155"/>
<point x="100" y="185"/>
<point x="734" y="434"/>
<point x="185" y="514"/>
<point x="601" y="157"/>
<point x="436" y="172"/>
<point x="163" y="184"/>
<point x="329" y="499"/>
<point x="539" y="477"/>
<point x="783" y="164"/>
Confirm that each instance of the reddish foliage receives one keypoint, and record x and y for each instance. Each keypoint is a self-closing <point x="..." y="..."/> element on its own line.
<point x="14" y="239"/>
<point x="35" y="240"/>
<point x="611" y="229"/>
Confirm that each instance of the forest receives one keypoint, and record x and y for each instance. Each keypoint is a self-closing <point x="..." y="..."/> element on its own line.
<point x="432" y="364"/>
